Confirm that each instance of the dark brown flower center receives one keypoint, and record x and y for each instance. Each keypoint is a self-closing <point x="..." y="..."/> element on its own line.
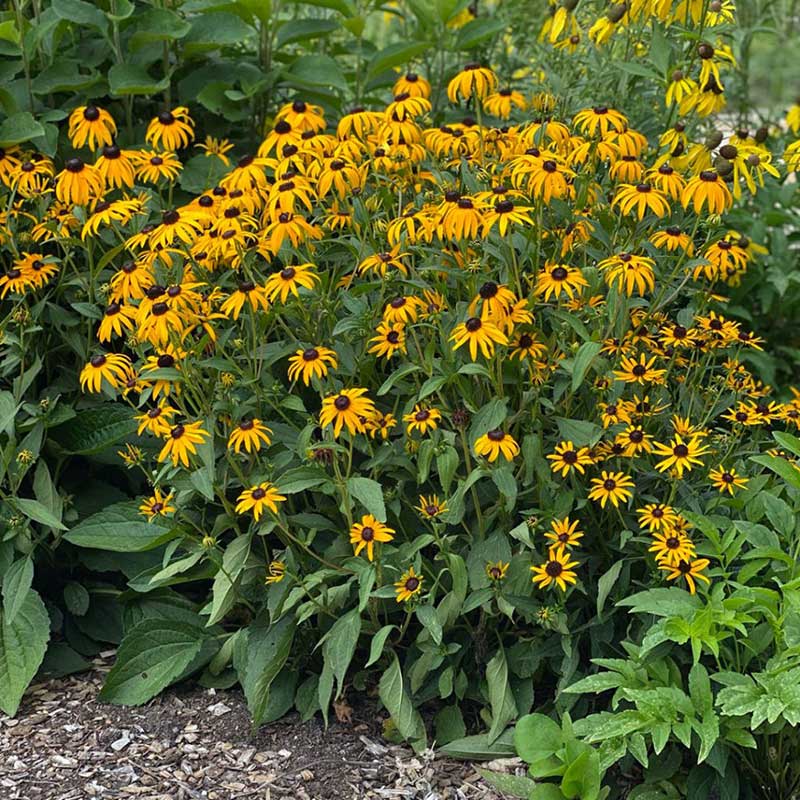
<point x="473" y="324"/>
<point x="342" y="402"/>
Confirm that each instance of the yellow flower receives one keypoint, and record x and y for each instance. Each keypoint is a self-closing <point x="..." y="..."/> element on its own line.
<point x="390" y="339"/>
<point x="565" y="533"/>
<point x="431" y="507"/>
<point x="709" y="190"/>
<point x="92" y="126"/>
<point x="557" y="570"/>
<point x="279" y="284"/>
<point x="567" y="458"/>
<point x="496" y="570"/>
<point x="727" y="480"/>
<point x="171" y="130"/>
<point x="310" y="363"/>
<point x="78" y="183"/>
<point x="680" y="455"/>
<point x="113" y="368"/>
<point x="422" y="419"/>
<point x="496" y="443"/>
<point x="257" y="498"/>
<point x="611" y="486"/>
<point x="556" y="279"/>
<point x="364" y="534"/>
<point x="157" y="506"/>
<point x="478" y="333"/>
<point x="276" y="572"/>
<point x="156" y="421"/>
<point x="409" y="585"/>
<point x="472" y="80"/>
<point x="348" y="408"/>
<point x="690" y="570"/>
<point x="657" y="517"/>
<point x="181" y="442"/>
<point x="250" y="434"/>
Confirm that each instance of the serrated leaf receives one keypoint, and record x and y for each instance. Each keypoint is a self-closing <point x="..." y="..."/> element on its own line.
<point x="95" y="429"/>
<point x="16" y="585"/>
<point x="120" y="528"/>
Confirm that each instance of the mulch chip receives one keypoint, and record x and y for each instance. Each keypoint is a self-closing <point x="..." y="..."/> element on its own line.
<point x="197" y="744"/>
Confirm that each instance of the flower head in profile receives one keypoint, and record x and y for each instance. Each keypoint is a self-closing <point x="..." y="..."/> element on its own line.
<point x="475" y="80"/>
<point x="478" y="333"/>
<point x="250" y="434"/>
<point x="170" y="130"/>
<point x="91" y="126"/>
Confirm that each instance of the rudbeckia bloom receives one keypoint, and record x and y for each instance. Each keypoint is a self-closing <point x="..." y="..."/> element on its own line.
<point x="364" y="534"/>
<point x="247" y="294"/>
<point x="709" y="190"/>
<point x="311" y="362"/>
<point x="422" y="419"/>
<point x="473" y="79"/>
<point x="117" y="166"/>
<point x="727" y="480"/>
<point x="564" y="533"/>
<point x="91" y="125"/>
<point x="348" y="408"/>
<point x="496" y="570"/>
<point x="639" y="371"/>
<point x="390" y="339"/>
<point x="280" y="284"/>
<point x="639" y="199"/>
<point x="181" y="442"/>
<point x="170" y="130"/>
<point x="409" y="585"/>
<point x="556" y="279"/>
<point x="158" y="505"/>
<point x="496" y="443"/>
<point x="680" y="455"/>
<point x="251" y="434"/>
<point x="156" y="421"/>
<point x="657" y="517"/>
<point x="113" y="368"/>
<point x="478" y="333"/>
<point x="431" y="507"/>
<point x="690" y="570"/>
<point x="381" y="262"/>
<point x="557" y="570"/>
<point x="600" y="119"/>
<point x="501" y="103"/>
<point x="412" y="84"/>
<point x="381" y="424"/>
<point x="628" y="273"/>
<point x="671" y="546"/>
<point x="567" y="458"/>
<point x="153" y="167"/>
<point x="77" y="183"/>
<point x="257" y="498"/>
<point x="615" y="487"/>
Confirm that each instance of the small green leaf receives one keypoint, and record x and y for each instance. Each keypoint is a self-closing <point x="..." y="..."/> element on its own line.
<point x="16" y="585"/>
<point x="587" y="353"/>
<point x="370" y="495"/>
<point x="80" y="13"/>
<point x="130" y="79"/>
<point x="34" y="510"/>
<point x="19" y="127"/>
<point x="395" y="697"/>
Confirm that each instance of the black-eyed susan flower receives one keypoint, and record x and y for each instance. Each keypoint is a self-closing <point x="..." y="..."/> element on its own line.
<point x="657" y="517"/>
<point x="600" y="119"/>
<point x="727" y="480"/>
<point x="250" y="434"/>
<point x="497" y="443"/>
<point x="483" y="334"/>
<point x="707" y="190"/>
<point x="382" y="262"/>
<point x="276" y="572"/>
<point x="413" y="85"/>
<point x="78" y="183"/>
<point x="155" y="167"/>
<point x="557" y="279"/>
<point x="170" y="130"/>
<point x="156" y="421"/>
<point x="564" y="533"/>
<point x="502" y="102"/>
<point x="390" y="338"/>
<point x="117" y="166"/>
<point x="92" y="126"/>
<point x="247" y="293"/>
<point x="634" y="441"/>
<point x="257" y="498"/>
<point x="613" y="487"/>
<point x="409" y="585"/>
<point x="690" y="570"/>
<point x="475" y="80"/>
<point x="527" y="346"/>
<point x="496" y="570"/>
<point x="287" y="280"/>
<point x="181" y="441"/>
<point x="680" y="455"/>
<point x="567" y="457"/>
<point x="558" y="570"/>
<point x="403" y="309"/>
<point x="639" y="370"/>
<point x="310" y="363"/>
<point x="671" y="546"/>
<point x="628" y="273"/>
<point x="214" y="147"/>
<point x="364" y="534"/>
<point x="381" y="424"/>
<point x="349" y="408"/>
<point x="422" y="419"/>
<point x="641" y="198"/>
<point x="505" y="214"/>
<point x="109" y="368"/>
<point x="157" y="505"/>
<point x="430" y="507"/>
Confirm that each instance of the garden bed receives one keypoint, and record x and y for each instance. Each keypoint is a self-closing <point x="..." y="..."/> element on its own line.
<point x="194" y="743"/>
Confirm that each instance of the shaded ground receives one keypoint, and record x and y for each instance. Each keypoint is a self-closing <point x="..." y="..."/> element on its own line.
<point x="197" y="744"/>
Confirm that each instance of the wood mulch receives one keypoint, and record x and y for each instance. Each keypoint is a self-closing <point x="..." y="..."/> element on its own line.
<point x="197" y="744"/>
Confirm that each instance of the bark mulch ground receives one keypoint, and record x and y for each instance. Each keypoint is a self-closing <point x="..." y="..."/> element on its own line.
<point x="197" y="744"/>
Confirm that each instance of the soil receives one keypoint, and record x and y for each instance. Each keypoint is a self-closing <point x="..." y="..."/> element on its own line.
<point x="197" y="744"/>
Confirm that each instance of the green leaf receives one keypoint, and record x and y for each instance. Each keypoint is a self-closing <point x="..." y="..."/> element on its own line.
<point x="477" y="748"/>
<point x="340" y="646"/>
<point x="34" y="510"/>
<point x="537" y="737"/>
<point x="787" y="441"/>
<point x="580" y="432"/>
<point x="449" y="724"/>
<point x="606" y="583"/>
<point x="80" y="13"/>
<point x="395" y="55"/>
<point x="378" y="643"/>
<point x="427" y="616"/>
<point x="16" y="585"/>
<point x="96" y="429"/>
<point x="342" y="6"/>
<point x="19" y="127"/>
<point x="488" y="418"/>
<point x="23" y="643"/>
<point x="268" y="647"/>
<point x="582" y="776"/>
<point x="504" y="709"/>
<point x="152" y="655"/>
<point x="397" y="700"/>
<point x="158" y="25"/>
<point x="317" y="70"/>
<point x="477" y="30"/>
<point x="76" y="598"/>
<point x="130" y="79"/>
<point x="369" y="494"/>
<point x="216" y="29"/>
<point x="587" y="353"/>
<point x="301" y="30"/>
<point x="120" y="528"/>
<point x="224" y="590"/>
<point x="779" y="513"/>
<point x="511" y="785"/>
<point x="546" y="791"/>
<point x="406" y="369"/>
<point x="781" y="467"/>
<point x="8" y="412"/>
<point x="662" y="602"/>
